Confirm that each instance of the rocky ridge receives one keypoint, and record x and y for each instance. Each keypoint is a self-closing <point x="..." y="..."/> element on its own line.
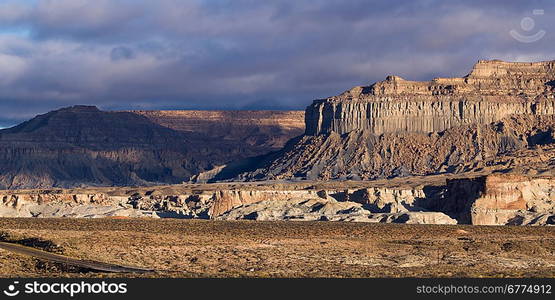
<point x="501" y="199"/>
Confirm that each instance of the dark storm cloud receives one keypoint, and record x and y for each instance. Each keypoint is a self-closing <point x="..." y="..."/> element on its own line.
<point x="122" y="54"/>
<point x="119" y="53"/>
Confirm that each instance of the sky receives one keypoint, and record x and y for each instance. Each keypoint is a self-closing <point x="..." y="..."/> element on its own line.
<point x="246" y="54"/>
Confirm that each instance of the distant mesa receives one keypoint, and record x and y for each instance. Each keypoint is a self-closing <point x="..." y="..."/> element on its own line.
<point x="84" y="146"/>
<point x="493" y="90"/>
<point x="81" y="108"/>
<point x="264" y="130"/>
<point x="397" y="127"/>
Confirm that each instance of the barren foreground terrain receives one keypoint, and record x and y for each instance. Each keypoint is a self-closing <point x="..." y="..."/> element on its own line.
<point x="198" y="248"/>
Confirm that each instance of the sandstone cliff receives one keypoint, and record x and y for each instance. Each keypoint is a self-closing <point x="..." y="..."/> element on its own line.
<point x="502" y="199"/>
<point x="493" y="90"/>
<point x="400" y="128"/>
<point x="360" y="155"/>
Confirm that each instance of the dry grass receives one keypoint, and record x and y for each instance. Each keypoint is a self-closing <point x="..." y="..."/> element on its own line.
<point x="178" y="248"/>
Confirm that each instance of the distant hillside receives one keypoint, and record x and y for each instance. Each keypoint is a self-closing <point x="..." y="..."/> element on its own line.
<point x="82" y="145"/>
<point x="263" y="130"/>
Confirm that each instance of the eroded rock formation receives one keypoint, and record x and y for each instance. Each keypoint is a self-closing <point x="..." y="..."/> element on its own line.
<point x="500" y="199"/>
<point x="361" y="155"/>
<point x="384" y="205"/>
<point x="493" y="90"/>
<point x="400" y="128"/>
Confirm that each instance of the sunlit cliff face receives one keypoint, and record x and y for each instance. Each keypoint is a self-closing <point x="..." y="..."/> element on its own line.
<point x="493" y="90"/>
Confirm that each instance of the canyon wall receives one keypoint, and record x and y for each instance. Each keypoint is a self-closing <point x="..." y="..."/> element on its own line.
<point x="492" y="91"/>
<point x="391" y="115"/>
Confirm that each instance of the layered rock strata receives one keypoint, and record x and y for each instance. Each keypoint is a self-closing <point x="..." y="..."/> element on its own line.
<point x="264" y="131"/>
<point x="361" y="155"/>
<point x="493" y="90"/>
<point x="502" y="199"/>
<point x="398" y="128"/>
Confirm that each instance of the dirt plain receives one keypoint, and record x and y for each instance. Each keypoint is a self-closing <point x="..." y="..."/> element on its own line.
<point x="199" y="248"/>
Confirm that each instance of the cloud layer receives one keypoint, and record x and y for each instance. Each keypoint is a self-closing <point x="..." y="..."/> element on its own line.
<point x="234" y="54"/>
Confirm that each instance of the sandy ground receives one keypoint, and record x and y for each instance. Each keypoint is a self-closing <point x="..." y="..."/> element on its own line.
<point x="195" y="248"/>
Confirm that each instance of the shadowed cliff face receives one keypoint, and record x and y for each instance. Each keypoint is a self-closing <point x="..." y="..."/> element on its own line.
<point x="502" y="199"/>
<point x="87" y="126"/>
<point x="262" y="131"/>
<point x="82" y="145"/>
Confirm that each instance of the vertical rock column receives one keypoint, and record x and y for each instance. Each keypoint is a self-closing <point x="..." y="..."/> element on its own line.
<point x="323" y="117"/>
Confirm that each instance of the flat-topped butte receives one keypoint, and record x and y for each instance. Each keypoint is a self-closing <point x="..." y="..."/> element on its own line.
<point x="490" y="92"/>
